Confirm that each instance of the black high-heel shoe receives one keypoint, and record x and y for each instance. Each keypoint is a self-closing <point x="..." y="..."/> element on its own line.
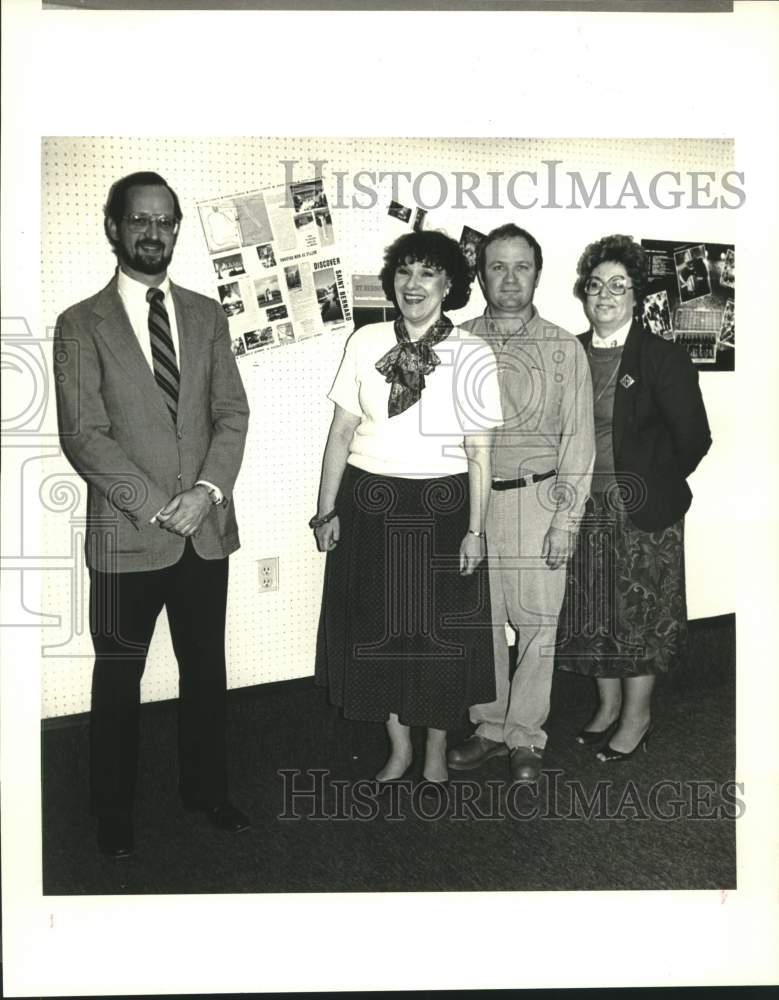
<point x="591" y="738"/>
<point x="609" y="755"/>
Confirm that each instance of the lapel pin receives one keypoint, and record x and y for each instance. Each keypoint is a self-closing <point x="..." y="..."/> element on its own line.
<point x="626" y="381"/>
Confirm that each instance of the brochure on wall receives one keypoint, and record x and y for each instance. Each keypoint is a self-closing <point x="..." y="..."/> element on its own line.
<point x="279" y="276"/>
<point x="691" y="299"/>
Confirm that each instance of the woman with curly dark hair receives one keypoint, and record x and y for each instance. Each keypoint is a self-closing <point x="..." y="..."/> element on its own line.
<point x="405" y="633"/>
<point x="624" y="619"/>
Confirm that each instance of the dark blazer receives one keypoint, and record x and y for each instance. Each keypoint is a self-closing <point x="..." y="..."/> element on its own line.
<point x="660" y="431"/>
<point x="118" y="434"/>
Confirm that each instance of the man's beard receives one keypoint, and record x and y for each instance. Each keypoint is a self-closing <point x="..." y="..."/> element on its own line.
<point x="146" y="261"/>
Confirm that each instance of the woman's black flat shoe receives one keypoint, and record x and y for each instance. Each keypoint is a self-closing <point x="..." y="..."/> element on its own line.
<point x="395" y="781"/>
<point x="428" y="789"/>
<point x="609" y="755"/>
<point x="591" y="738"/>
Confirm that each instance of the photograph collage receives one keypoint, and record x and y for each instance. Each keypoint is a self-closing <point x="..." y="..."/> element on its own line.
<point x="253" y="240"/>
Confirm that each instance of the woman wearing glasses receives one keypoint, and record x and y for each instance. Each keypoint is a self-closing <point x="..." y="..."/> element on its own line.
<point x="624" y="617"/>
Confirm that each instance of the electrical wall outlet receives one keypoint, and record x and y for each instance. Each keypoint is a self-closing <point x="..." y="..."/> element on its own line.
<point x="269" y="574"/>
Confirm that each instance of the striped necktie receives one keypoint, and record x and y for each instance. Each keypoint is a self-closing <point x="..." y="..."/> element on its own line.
<point x="163" y="352"/>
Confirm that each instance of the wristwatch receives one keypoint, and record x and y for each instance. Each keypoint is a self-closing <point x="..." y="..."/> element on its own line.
<point x="216" y="500"/>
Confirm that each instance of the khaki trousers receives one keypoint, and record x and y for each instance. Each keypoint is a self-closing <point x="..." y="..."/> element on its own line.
<point x="528" y="595"/>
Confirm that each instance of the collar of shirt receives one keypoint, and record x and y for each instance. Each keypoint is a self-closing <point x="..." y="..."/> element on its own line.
<point x="616" y="339"/>
<point x="521" y="330"/>
<point x="133" y="296"/>
<point x="131" y="289"/>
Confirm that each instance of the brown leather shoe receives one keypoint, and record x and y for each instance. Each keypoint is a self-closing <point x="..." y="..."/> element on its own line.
<point x="474" y="752"/>
<point x="525" y="763"/>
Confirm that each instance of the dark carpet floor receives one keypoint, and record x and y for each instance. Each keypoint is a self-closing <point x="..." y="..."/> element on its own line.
<point x="663" y="820"/>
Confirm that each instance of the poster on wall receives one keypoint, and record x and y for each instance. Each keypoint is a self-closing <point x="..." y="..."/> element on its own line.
<point x="370" y="304"/>
<point x="278" y="274"/>
<point x="691" y="299"/>
<point x="470" y="243"/>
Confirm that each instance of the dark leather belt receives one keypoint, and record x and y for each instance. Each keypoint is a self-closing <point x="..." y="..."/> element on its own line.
<point x="517" y="484"/>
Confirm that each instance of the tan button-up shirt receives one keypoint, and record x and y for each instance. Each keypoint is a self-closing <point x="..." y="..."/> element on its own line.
<point x="546" y="396"/>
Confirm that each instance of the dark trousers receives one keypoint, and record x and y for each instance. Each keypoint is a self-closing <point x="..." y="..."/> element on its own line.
<point x="123" y="612"/>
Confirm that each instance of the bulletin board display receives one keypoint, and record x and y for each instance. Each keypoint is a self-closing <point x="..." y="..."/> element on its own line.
<point x="361" y="193"/>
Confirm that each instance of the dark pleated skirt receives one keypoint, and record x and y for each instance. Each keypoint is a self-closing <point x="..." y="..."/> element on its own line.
<point x="400" y="630"/>
<point x="625" y="611"/>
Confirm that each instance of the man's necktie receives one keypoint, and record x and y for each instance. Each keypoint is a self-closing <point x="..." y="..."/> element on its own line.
<point x="163" y="352"/>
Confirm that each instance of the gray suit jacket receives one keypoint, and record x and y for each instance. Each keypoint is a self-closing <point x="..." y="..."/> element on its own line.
<point x="118" y="434"/>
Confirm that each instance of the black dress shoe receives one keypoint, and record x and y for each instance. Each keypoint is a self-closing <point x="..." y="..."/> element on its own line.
<point x="525" y="763"/>
<point x="596" y="738"/>
<point x="381" y="782"/>
<point x="115" y="836"/>
<point x="608" y="755"/>
<point x="226" y="817"/>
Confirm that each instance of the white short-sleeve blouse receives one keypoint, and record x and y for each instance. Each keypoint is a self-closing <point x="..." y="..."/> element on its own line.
<point x="461" y="397"/>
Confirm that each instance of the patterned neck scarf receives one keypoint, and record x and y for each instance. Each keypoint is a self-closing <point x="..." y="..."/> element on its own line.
<point x="407" y="363"/>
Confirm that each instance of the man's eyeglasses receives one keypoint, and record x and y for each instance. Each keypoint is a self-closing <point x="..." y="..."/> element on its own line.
<point x="617" y="285"/>
<point x="139" y="221"/>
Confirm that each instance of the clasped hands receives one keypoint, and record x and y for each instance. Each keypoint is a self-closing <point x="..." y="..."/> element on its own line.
<point x="184" y="513"/>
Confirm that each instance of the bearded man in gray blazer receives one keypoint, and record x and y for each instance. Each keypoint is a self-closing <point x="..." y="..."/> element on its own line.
<point x="153" y="415"/>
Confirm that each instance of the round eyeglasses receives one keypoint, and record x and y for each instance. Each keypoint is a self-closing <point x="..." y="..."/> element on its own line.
<point x="617" y="285"/>
<point x="139" y="221"/>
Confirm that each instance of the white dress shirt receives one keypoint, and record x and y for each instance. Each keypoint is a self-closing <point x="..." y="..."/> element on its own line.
<point x="133" y="296"/>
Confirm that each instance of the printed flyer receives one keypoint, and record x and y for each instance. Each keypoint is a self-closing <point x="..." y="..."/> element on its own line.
<point x="278" y="274"/>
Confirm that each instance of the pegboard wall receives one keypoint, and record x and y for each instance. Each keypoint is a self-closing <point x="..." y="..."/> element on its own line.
<point x="271" y="636"/>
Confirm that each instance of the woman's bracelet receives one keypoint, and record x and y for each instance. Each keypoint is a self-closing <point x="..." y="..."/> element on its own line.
<point x="479" y="534"/>
<point x="317" y="522"/>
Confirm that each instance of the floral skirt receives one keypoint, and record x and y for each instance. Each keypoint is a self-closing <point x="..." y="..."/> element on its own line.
<point x="624" y="612"/>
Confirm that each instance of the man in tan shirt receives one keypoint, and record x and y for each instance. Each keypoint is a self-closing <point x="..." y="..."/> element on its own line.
<point x="542" y="466"/>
